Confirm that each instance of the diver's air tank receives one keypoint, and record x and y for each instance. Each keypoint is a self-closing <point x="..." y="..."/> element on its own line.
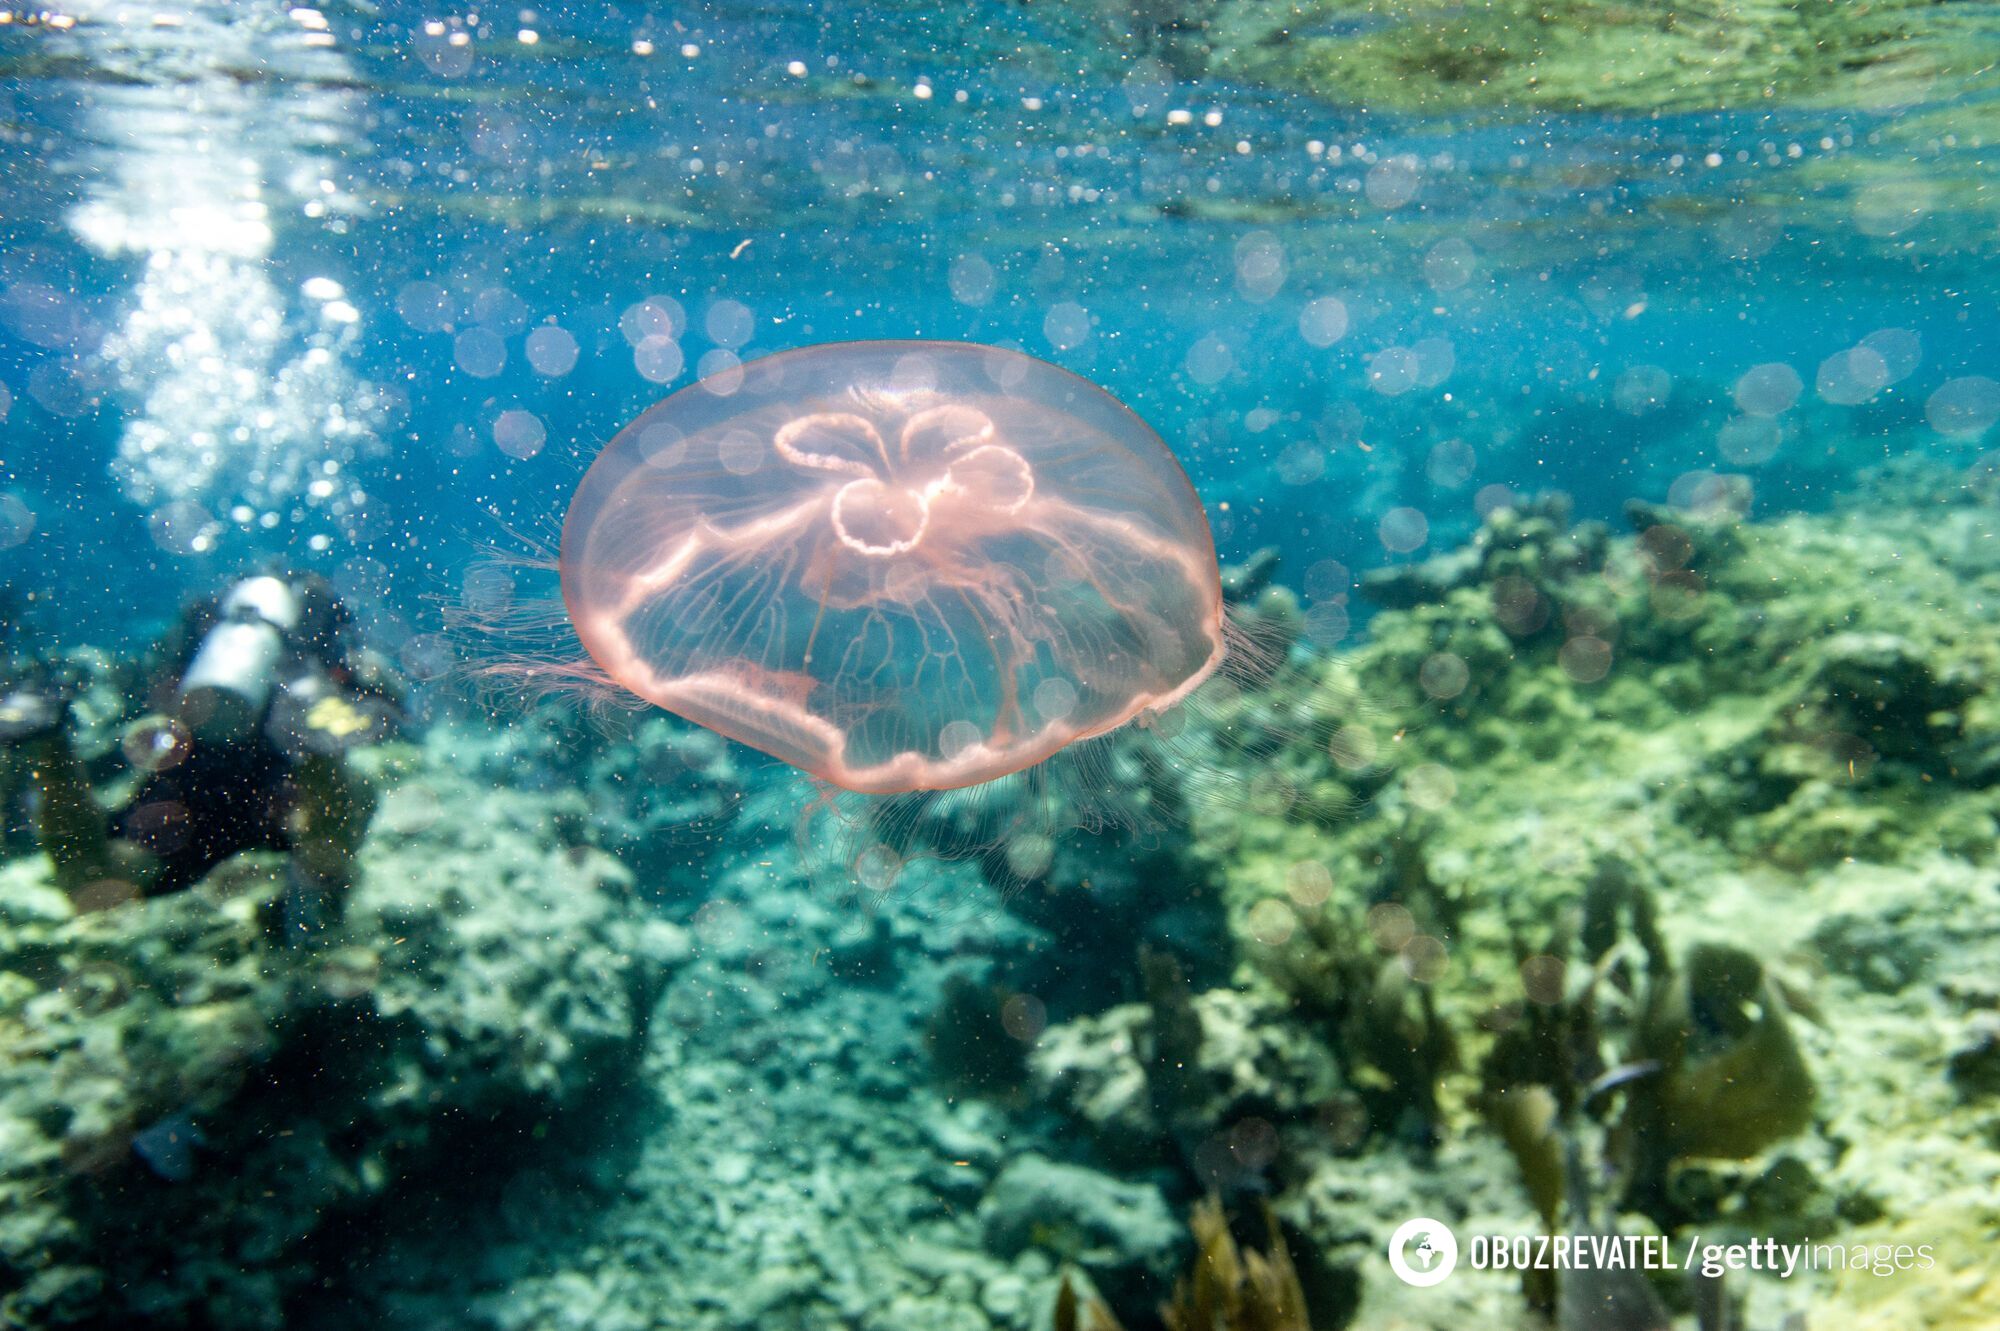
<point x="226" y="687"/>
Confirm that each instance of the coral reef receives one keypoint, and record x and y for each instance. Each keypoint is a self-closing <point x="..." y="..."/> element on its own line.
<point x="1665" y="840"/>
<point x="1637" y="883"/>
<point x="185" y="1101"/>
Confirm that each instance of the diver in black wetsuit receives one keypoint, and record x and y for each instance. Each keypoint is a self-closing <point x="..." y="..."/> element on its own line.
<point x="264" y="692"/>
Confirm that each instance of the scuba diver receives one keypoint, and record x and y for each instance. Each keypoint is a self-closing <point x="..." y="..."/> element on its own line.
<point x="262" y="693"/>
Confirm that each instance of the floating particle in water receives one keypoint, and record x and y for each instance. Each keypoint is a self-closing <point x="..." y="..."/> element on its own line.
<point x="1327" y="579"/>
<point x="425" y="306"/>
<point x="1749" y="440"/>
<point x="1450" y="264"/>
<point x="1392" y="182"/>
<point x="1393" y="371"/>
<point x="1849" y="378"/>
<point x="1260" y="266"/>
<point x="1430" y="786"/>
<point x="729" y="324"/>
<point x="1901" y="350"/>
<point x="658" y="359"/>
<point x="1067" y="325"/>
<point x="552" y="351"/>
<point x="655" y="316"/>
<point x="1450" y="464"/>
<point x="1403" y="530"/>
<point x="1210" y="360"/>
<point x="972" y="280"/>
<point x="479" y="352"/>
<point x="1301" y="463"/>
<point x="1585" y="659"/>
<point x="1641" y="389"/>
<point x="1964" y="408"/>
<point x="519" y="434"/>
<point x="1768" y="390"/>
<point x="1436" y="359"/>
<point x="844" y="566"/>
<point x="1309" y="884"/>
<point x="17" y="522"/>
<point x="1443" y="675"/>
<point x="1323" y="322"/>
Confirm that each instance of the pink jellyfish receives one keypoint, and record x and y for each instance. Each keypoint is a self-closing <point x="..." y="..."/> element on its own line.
<point x="898" y="566"/>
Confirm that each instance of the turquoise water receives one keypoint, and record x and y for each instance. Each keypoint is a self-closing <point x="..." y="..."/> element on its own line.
<point x="1194" y="247"/>
<point x="362" y="289"/>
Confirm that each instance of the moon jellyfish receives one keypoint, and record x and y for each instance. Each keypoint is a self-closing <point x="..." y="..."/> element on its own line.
<point x="970" y="595"/>
<point x="897" y="566"/>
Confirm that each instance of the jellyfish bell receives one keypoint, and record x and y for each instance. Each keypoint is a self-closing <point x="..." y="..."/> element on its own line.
<point x="844" y="562"/>
<point x="950" y="583"/>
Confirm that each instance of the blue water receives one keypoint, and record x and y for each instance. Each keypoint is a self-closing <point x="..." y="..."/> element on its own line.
<point x="947" y="175"/>
<point x="363" y="289"/>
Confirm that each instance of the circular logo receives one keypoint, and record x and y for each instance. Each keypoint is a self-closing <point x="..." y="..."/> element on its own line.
<point x="1422" y="1251"/>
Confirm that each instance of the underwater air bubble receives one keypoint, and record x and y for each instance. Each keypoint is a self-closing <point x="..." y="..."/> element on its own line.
<point x="845" y="563"/>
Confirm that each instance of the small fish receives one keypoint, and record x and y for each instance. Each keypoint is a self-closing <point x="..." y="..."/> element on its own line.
<point x="1621" y="1075"/>
<point x="167" y="1147"/>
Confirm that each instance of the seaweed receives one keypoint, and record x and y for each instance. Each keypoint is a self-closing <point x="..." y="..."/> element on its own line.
<point x="1226" y="1287"/>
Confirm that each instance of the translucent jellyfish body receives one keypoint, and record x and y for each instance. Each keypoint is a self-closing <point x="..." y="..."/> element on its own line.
<point x="899" y="566"/>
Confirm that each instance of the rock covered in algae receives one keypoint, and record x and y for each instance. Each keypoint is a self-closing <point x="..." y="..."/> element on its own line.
<point x="1781" y="726"/>
<point x="185" y="1102"/>
<point x="1582" y="54"/>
